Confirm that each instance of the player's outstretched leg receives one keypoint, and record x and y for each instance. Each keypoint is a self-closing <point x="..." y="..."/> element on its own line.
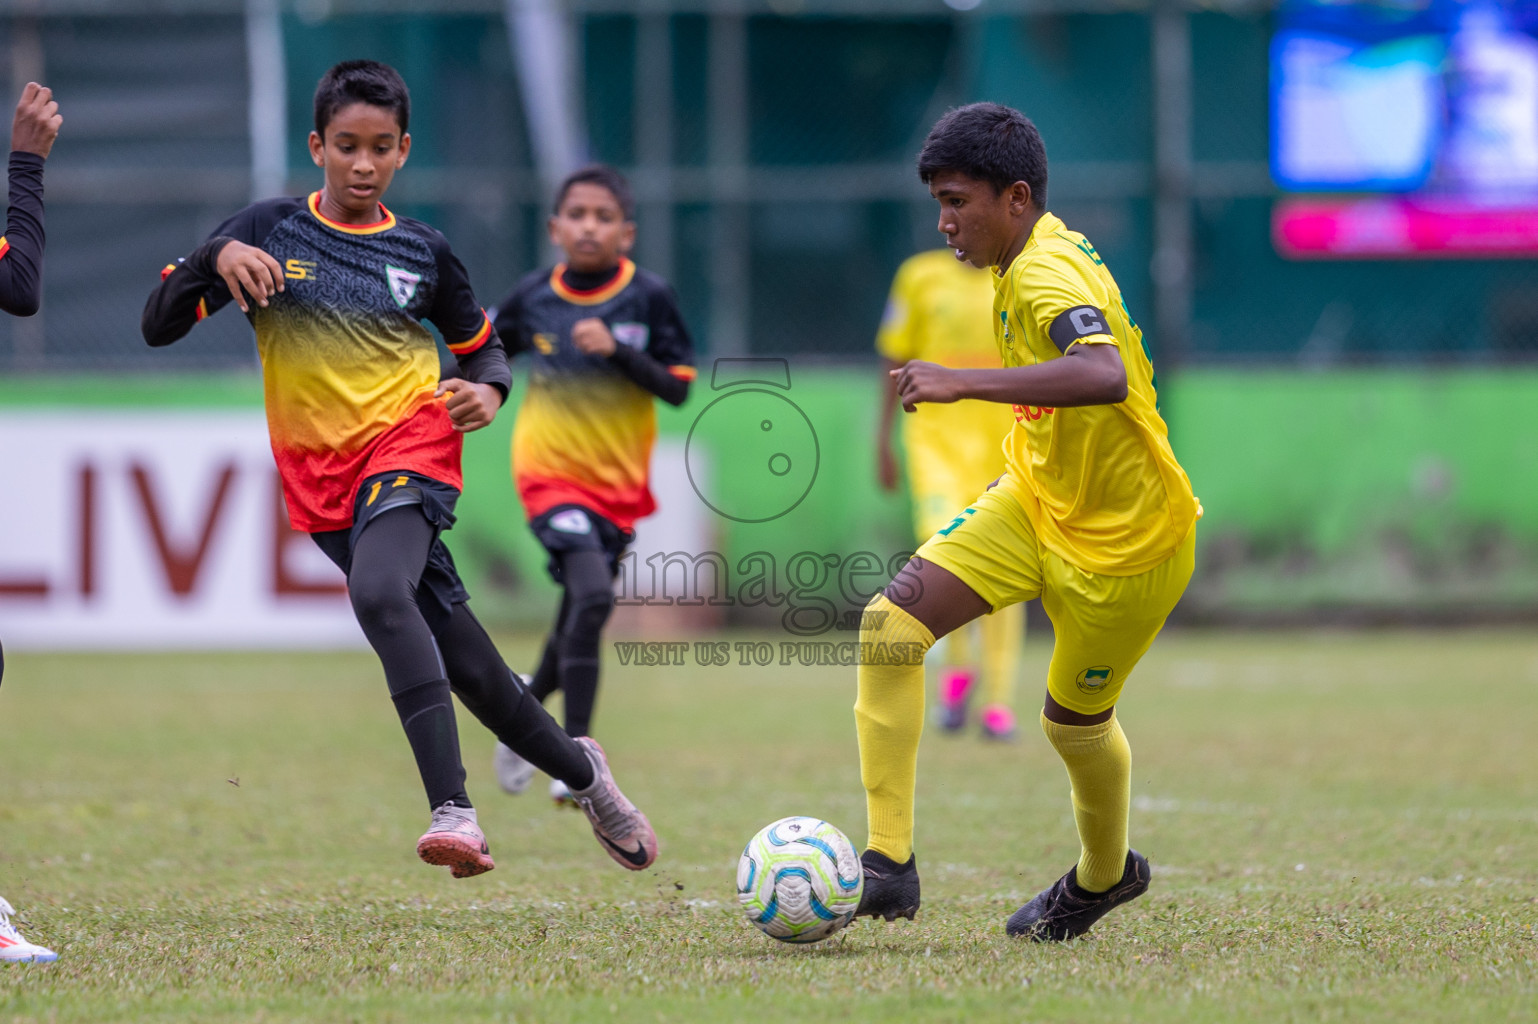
<point x="889" y="719"/>
<point x="1065" y="911"/>
<point x="498" y="698"/>
<point x="14" y="949"/>
<point x="623" y="831"/>
<point x="513" y="772"/>
<point x="386" y="568"/>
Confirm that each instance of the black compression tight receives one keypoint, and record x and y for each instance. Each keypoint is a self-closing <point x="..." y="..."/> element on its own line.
<point x="486" y="686"/>
<point x="571" y="658"/>
<point x="387" y="564"/>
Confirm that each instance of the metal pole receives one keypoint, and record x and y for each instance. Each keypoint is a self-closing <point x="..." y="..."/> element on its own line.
<point x="653" y="119"/>
<point x="545" y="54"/>
<point x="1171" y="265"/>
<point x="727" y="75"/>
<point x="267" y="108"/>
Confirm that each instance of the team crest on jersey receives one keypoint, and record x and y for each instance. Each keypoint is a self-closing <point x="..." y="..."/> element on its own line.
<point x="1095" y="679"/>
<point x="403" y="285"/>
<point x="1009" y="339"/>
<point x="631" y="335"/>
<point x="571" y="520"/>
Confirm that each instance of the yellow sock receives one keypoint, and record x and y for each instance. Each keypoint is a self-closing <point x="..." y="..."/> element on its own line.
<point x="1099" y="763"/>
<point x="1003" y="636"/>
<point x="889" y="719"/>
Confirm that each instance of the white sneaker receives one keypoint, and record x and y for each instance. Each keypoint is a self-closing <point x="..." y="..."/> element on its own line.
<point x="561" y="794"/>
<point x="14" y="948"/>
<point x="513" y="773"/>
<point x="625" y="833"/>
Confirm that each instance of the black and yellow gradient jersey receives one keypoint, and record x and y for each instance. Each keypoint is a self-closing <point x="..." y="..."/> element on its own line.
<point x="21" y="247"/>
<point x="586" y="427"/>
<point x="349" y="370"/>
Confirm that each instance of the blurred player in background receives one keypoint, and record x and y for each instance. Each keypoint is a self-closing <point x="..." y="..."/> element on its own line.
<point x="33" y="130"/>
<point x="603" y="337"/>
<point x="368" y="441"/>
<point x="941" y="311"/>
<point x="1093" y="514"/>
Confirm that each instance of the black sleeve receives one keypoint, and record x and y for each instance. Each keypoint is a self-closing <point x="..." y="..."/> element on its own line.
<point x="21" y="255"/>
<point x="507" y="318"/>
<point x="466" y="328"/>
<point x="191" y="289"/>
<point x="666" y="366"/>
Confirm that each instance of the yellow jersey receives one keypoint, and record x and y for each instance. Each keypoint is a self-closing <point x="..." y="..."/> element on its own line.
<point x="1099" y="482"/>
<point x="938" y="311"/>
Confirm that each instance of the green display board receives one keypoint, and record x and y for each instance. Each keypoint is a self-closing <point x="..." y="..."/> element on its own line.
<point x="1341" y="496"/>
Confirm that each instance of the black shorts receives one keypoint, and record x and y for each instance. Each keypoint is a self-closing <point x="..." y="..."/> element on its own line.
<point x="576" y="528"/>
<point x="440" y="588"/>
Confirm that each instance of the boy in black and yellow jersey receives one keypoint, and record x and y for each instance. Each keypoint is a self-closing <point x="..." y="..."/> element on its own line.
<point x="1093" y="514"/>
<point x="33" y="131"/>
<point x="603" y="338"/>
<point x="367" y="441"/>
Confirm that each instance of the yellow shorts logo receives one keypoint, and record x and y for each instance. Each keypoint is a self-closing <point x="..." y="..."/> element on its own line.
<point x="1095" y="678"/>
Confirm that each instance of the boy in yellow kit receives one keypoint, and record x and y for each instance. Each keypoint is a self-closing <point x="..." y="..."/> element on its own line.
<point x="939" y="311"/>
<point x="1093" y="514"/>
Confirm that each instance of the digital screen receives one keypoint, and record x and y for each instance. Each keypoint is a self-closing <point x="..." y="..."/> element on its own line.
<point x="1405" y="129"/>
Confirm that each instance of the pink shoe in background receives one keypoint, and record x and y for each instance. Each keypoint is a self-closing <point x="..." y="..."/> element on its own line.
<point x="955" y="687"/>
<point x="998" y="722"/>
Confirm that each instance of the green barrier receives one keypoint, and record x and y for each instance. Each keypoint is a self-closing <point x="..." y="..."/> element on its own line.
<point x="1370" y="489"/>
<point x="1389" y="493"/>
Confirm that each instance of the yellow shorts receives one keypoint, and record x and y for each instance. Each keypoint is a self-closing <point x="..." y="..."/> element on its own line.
<point x="1104" y="624"/>
<point x="933" y="510"/>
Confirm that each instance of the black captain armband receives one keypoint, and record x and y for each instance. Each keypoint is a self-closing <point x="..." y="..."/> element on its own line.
<point x="1073" y="324"/>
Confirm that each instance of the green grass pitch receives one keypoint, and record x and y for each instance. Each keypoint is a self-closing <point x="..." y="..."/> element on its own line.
<point x="1342" y="827"/>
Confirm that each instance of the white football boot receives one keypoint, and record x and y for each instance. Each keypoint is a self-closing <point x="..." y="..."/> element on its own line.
<point x="15" y="949"/>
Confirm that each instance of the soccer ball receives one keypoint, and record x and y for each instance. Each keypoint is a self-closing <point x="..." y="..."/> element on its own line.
<point x="799" y="880"/>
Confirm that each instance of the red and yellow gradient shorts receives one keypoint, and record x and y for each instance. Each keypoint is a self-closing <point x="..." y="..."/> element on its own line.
<point x="1104" y="624"/>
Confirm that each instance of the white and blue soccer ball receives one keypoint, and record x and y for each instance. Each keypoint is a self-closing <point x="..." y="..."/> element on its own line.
<point x="799" y="880"/>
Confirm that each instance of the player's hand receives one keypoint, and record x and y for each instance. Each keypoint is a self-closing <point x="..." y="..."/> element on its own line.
<point x="886" y="467"/>
<point x="248" y="271"/>
<point x="591" y="336"/>
<point x="37" y="121"/>
<point x="471" y="406"/>
<point x="918" y="381"/>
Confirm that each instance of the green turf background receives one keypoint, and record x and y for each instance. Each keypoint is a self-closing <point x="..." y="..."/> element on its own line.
<point x="1340" y="825"/>
<point x="1386" y="492"/>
